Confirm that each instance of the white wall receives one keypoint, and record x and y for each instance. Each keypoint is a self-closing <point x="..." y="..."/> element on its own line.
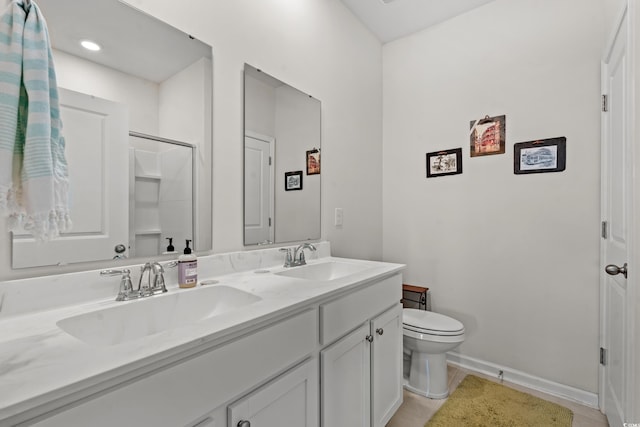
<point x="514" y="257"/>
<point x="613" y="8"/>
<point x="259" y="114"/>
<point x="317" y="45"/>
<point x="297" y="212"/>
<point x="182" y="100"/>
<point x="140" y="95"/>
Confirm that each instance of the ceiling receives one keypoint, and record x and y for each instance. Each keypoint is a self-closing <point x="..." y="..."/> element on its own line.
<point x="132" y="42"/>
<point x="392" y="19"/>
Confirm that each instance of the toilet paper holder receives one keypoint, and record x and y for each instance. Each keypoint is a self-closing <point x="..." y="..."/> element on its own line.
<point x="416" y="297"/>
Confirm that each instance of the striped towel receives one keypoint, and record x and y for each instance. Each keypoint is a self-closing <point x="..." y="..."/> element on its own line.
<point x="33" y="170"/>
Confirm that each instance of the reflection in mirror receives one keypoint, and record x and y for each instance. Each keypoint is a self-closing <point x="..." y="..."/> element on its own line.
<point x="281" y="161"/>
<point x="161" y="195"/>
<point x="148" y="79"/>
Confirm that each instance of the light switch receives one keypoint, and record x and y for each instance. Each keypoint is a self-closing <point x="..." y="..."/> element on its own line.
<point x="339" y="217"/>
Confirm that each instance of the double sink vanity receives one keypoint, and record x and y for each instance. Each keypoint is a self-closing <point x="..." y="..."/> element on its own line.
<point x="260" y="344"/>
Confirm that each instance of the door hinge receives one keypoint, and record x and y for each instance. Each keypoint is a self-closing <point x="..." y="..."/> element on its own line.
<point x="269" y="160"/>
<point x="269" y="222"/>
<point x="603" y="230"/>
<point x="605" y="103"/>
<point x="603" y="356"/>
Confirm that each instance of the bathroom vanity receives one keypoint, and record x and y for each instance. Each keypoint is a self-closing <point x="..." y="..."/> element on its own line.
<point x="319" y="344"/>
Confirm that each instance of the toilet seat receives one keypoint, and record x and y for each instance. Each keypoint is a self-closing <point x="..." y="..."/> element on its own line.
<point x="420" y="322"/>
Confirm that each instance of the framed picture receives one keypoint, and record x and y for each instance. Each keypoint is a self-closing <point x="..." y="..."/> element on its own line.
<point x="442" y="163"/>
<point x="545" y="155"/>
<point x="313" y="162"/>
<point x="293" y="180"/>
<point x="487" y="136"/>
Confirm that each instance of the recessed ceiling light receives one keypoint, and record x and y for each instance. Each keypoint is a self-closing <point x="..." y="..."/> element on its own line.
<point x="89" y="45"/>
<point x="387" y="1"/>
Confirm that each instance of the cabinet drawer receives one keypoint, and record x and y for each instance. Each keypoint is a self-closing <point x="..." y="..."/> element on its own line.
<point x="182" y="392"/>
<point x="348" y="312"/>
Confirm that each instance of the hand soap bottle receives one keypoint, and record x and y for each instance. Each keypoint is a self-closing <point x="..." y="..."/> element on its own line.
<point x="187" y="268"/>
<point x="170" y="248"/>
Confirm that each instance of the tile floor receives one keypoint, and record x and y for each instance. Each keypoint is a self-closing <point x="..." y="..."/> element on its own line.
<point x="416" y="410"/>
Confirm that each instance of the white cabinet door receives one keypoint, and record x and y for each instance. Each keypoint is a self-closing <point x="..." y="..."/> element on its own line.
<point x="386" y="366"/>
<point x="289" y="400"/>
<point x="346" y="381"/>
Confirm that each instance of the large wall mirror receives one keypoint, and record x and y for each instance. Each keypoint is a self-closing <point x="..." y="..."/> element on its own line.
<point x="138" y="130"/>
<point x="282" y="167"/>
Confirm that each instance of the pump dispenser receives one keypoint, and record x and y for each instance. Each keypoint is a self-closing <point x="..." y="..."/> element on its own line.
<point x="187" y="268"/>
<point x="170" y="248"/>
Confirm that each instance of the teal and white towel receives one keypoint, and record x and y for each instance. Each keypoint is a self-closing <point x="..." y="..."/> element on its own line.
<point x="34" y="180"/>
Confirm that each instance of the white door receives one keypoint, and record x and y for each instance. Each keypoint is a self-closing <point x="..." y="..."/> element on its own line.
<point x="386" y="366"/>
<point x="618" y="215"/>
<point x="345" y="381"/>
<point x="96" y="135"/>
<point x="258" y="190"/>
<point x="289" y="400"/>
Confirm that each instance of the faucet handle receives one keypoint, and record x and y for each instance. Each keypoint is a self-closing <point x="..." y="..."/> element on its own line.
<point x="111" y="272"/>
<point x="126" y="287"/>
<point x="158" y="278"/>
<point x="288" y="260"/>
<point x="170" y="264"/>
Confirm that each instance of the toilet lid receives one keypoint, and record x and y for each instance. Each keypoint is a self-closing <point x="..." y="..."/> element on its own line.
<point x="430" y="323"/>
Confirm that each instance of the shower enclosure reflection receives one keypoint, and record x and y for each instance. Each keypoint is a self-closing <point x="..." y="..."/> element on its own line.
<point x="160" y="193"/>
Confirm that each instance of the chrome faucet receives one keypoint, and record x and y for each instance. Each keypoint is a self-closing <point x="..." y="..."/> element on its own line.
<point x="300" y="249"/>
<point x="155" y="279"/>
<point x="145" y="289"/>
<point x="153" y="285"/>
<point x="297" y="258"/>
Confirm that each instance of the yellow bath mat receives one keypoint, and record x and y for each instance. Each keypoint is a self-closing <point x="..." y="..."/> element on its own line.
<point x="482" y="403"/>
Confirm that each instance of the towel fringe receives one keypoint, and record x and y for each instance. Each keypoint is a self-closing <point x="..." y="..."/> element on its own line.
<point x="43" y="226"/>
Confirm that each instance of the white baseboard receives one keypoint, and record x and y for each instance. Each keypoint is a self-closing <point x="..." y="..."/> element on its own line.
<point x="526" y="380"/>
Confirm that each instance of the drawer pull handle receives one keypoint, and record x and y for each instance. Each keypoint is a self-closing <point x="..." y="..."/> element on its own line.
<point x="380" y="331"/>
<point x="244" y="423"/>
<point x="369" y="338"/>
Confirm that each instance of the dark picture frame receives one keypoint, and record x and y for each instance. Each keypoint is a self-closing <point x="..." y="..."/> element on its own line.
<point x="293" y="181"/>
<point x="541" y="156"/>
<point x="488" y="136"/>
<point x="445" y="162"/>
<point x="313" y="162"/>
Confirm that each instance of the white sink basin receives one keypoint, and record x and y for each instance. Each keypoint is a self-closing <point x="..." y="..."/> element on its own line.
<point x="137" y="319"/>
<point x="324" y="271"/>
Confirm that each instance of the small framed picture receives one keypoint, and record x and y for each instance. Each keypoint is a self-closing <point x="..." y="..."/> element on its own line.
<point x="545" y="155"/>
<point x="487" y="136"/>
<point x="313" y="162"/>
<point x="293" y="181"/>
<point x="442" y="163"/>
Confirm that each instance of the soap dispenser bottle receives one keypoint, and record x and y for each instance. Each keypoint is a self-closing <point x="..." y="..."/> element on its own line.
<point x="187" y="268"/>
<point x="170" y="248"/>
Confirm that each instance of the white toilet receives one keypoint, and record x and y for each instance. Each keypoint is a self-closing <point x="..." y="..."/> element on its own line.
<point x="427" y="336"/>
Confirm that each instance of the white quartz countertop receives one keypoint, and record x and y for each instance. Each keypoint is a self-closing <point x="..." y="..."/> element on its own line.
<point x="40" y="363"/>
